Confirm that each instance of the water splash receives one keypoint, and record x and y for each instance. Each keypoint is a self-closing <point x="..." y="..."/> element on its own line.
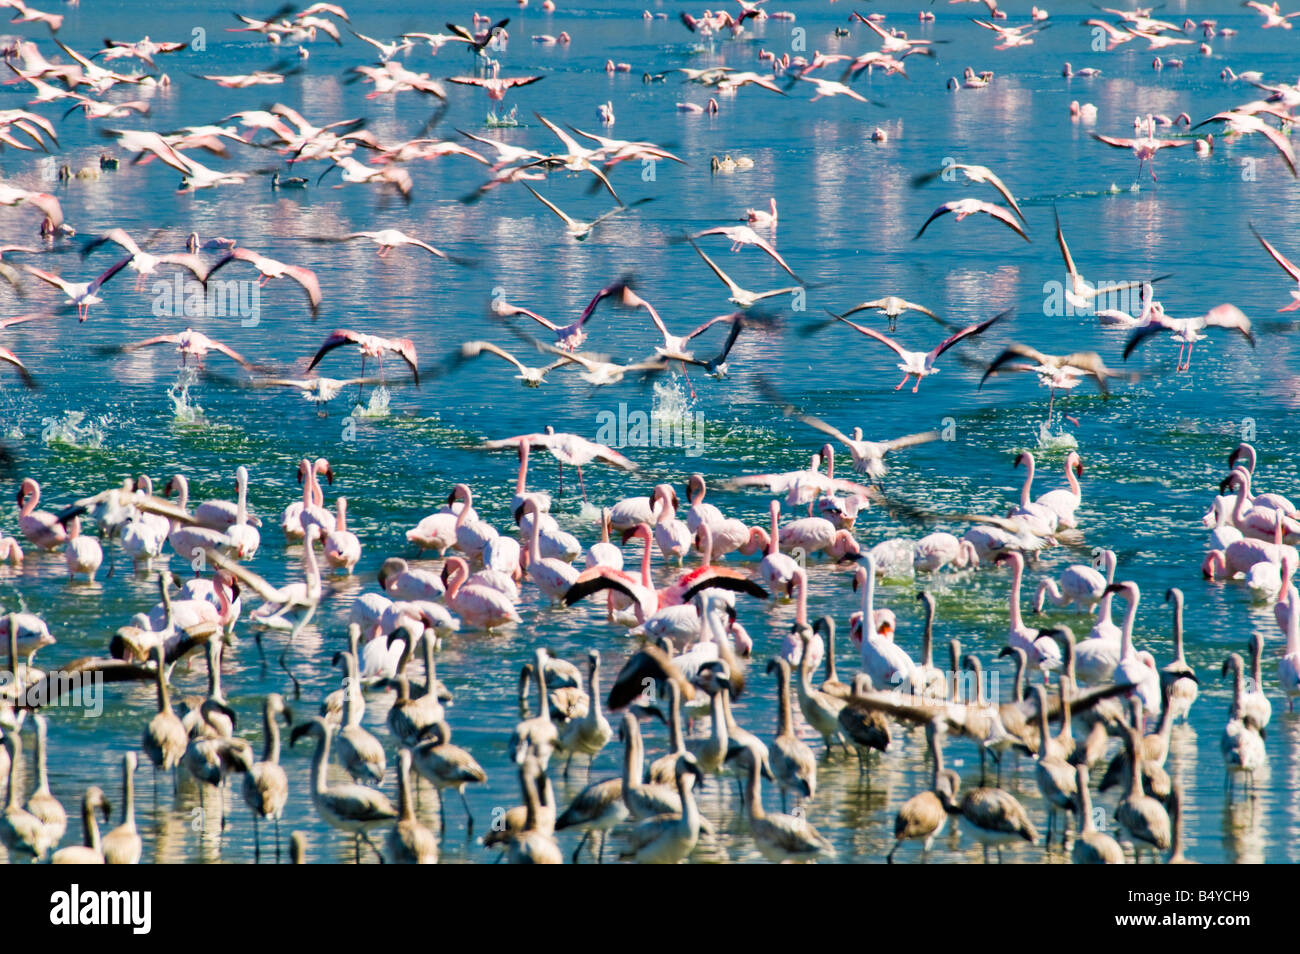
<point x="672" y="402"/>
<point x="377" y="406"/>
<point x="506" y="120"/>
<point x="1061" y="440"/>
<point x="72" y="430"/>
<point x="184" y="409"/>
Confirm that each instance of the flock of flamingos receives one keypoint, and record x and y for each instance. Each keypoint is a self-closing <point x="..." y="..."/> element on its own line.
<point x="1092" y="714"/>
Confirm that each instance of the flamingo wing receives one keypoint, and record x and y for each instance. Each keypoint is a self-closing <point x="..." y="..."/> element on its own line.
<point x="1287" y="265"/>
<point x="605" y="292"/>
<point x="1229" y="316"/>
<point x="552" y="206"/>
<point x="112" y="270"/>
<point x="309" y="282"/>
<point x="719" y="578"/>
<point x="231" y="353"/>
<point x="941" y="210"/>
<point x="1157" y="324"/>
<point x="336" y="340"/>
<point x="871" y="333"/>
<point x="1003" y="216"/>
<point x="44" y="276"/>
<point x="1115" y="141"/>
<point x="969" y="331"/>
<point x="9" y="357"/>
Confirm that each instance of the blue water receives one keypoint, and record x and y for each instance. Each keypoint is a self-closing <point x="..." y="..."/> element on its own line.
<point x="1154" y="451"/>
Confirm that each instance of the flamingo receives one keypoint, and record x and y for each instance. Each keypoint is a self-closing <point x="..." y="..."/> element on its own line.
<point x="1064" y="503"/>
<point x="190" y="343"/>
<point x="310" y="509"/>
<point x="1188" y="331"/>
<point x="41" y="528"/>
<point x="1248" y="457"/>
<point x="553" y="577"/>
<point x="370" y="346"/>
<point x="887" y="664"/>
<point x="1042" y="652"/>
<point x="479" y="607"/>
<point x="342" y="547"/>
<point x="740" y="297"/>
<point x="1287" y="266"/>
<point x="759" y="218"/>
<point x="1040" y="519"/>
<point x="934" y="551"/>
<point x="568" y="449"/>
<point x="1136" y="669"/>
<point x="568" y="337"/>
<point x="964" y="207"/>
<point x="269" y="269"/>
<point x="82" y="555"/>
<point x="81" y="294"/>
<point x="973" y="173"/>
<point x="920" y="364"/>
<point x="1084" y="586"/>
<point x="143" y="263"/>
<point x="1144" y="147"/>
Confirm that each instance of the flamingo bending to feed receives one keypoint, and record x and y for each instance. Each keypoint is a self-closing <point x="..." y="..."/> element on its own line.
<point x="760" y="218"/>
<point x="1083" y="586"/>
<point x="934" y="551"/>
<point x="918" y="363"/>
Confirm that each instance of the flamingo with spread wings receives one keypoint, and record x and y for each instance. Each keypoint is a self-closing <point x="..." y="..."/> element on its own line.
<point x="370" y="346"/>
<point x="81" y="294"/>
<point x="270" y="268"/>
<point x="1188" y="331"/>
<point x="1287" y="266"/>
<point x="921" y="363"/>
<point x="191" y="343"/>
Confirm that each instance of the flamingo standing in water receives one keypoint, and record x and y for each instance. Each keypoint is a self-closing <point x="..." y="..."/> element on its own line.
<point x="887" y="664"/>
<point x="478" y="606"/>
<point x="776" y="570"/>
<point x="41" y="528"/>
<point x="759" y="219"/>
<point x="312" y="504"/>
<point x="342" y="547"/>
<point x="1065" y="502"/>
<point x="82" y="555"/>
<point x="553" y="577"/>
<point x="1136" y="669"/>
<point x="1042" y="652"/>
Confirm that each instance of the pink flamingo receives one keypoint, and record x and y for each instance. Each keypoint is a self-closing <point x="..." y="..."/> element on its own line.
<point x="1259" y="517"/>
<point x="1248" y="457"/>
<point x="1042" y="652"/>
<point x="776" y="570"/>
<point x="672" y="535"/>
<point x="792" y="646"/>
<point x="1065" y="502"/>
<point x="495" y="86"/>
<point x="964" y="207"/>
<point x="370" y="346"/>
<point x="82" y="555"/>
<point x="553" y="577"/>
<point x="815" y="534"/>
<point x="918" y="363"/>
<point x="934" y="551"/>
<point x="269" y="268"/>
<point x="570" y="449"/>
<point x="472" y="534"/>
<point x="522" y="494"/>
<point x="41" y="528"/>
<point x="191" y="343"/>
<point x="342" y="548"/>
<point x="479" y="607"/>
<point x="567" y="337"/>
<point x="190" y="539"/>
<point x="10" y="551"/>
<point x="405" y="582"/>
<point x="761" y="219"/>
<point x="81" y="294"/>
<point x="312" y="503"/>
<point x="1144" y="147"/>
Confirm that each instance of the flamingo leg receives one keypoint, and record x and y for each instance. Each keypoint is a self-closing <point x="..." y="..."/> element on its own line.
<point x="902" y="382"/>
<point x="1190" y="346"/>
<point x="581" y="486"/>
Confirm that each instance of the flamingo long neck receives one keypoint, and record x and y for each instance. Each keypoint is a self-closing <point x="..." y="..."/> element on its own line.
<point x="164" y="702"/>
<point x="1071" y="479"/>
<point x="644" y="533"/>
<point x="271" y="753"/>
<point x="1043" y="733"/>
<point x="1029" y="480"/>
<point x="1178" y="629"/>
<point x="801" y="608"/>
<point x="675" y="720"/>
<point x="241" y="502"/>
<point x="774" y="541"/>
<point x="1243" y="497"/>
<point x="341" y="516"/>
<point x="1293" y="622"/>
<point x="317" y="493"/>
<point x="521" y="482"/>
<point x="31" y="499"/>
<point x="42" y="766"/>
<point x="633" y="759"/>
<point x="1018" y="570"/>
<point x="15" y="769"/>
<point x="697" y="492"/>
<point x="1130" y="614"/>
<point x="706" y="544"/>
<point x="128" y="796"/>
<point x="459" y="571"/>
<point x="534" y="538"/>
<point x="1109" y="560"/>
<point x="927" y="638"/>
<point x="182" y="492"/>
<point x="318" y="763"/>
<point x="784" y="715"/>
<point x="309" y="562"/>
<point x="308" y="474"/>
<point x="466" y="502"/>
<point x="542" y="700"/>
<point x="1247" y="452"/>
<point x="91" y="825"/>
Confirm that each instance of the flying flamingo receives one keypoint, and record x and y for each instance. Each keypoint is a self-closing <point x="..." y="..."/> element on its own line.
<point x="81" y="294"/>
<point x="370" y="346"/>
<point x="868" y="456"/>
<point x="740" y="297"/>
<point x="389" y="239"/>
<point x="568" y="449"/>
<point x="921" y="364"/>
<point x="270" y="268"/>
<point x="568" y="337"/>
<point x="646" y="599"/>
<point x="1188" y="331"/>
<point x="1144" y="147"/>
<point x="143" y="263"/>
<point x="974" y="174"/>
<point x="742" y="235"/>
<point x="1055" y="372"/>
<point x="1287" y="266"/>
<point x="8" y="357"/>
<point x="964" y="207"/>
<point x="577" y="230"/>
<point x="191" y="343"/>
<point x="495" y="86"/>
<point x="41" y="528"/>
